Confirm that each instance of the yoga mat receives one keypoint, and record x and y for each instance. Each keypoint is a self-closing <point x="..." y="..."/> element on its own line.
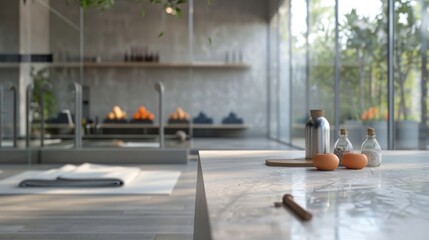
<point x="147" y="182"/>
<point x="140" y="144"/>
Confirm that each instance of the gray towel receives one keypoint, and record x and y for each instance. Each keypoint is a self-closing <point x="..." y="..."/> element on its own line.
<point x="84" y="175"/>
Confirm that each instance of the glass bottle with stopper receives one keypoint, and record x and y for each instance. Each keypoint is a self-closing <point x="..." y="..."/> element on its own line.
<point x="371" y="148"/>
<point x="342" y="145"/>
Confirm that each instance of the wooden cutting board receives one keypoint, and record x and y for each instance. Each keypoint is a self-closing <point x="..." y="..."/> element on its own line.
<point x="297" y="162"/>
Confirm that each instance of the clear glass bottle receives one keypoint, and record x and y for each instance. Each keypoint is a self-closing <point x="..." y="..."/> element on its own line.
<point x="342" y="145"/>
<point x="372" y="149"/>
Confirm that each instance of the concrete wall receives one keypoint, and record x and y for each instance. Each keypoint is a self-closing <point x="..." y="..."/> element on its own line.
<point x="239" y="25"/>
<point x="9" y="26"/>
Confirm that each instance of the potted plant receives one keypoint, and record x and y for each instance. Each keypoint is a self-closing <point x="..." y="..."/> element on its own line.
<point x="40" y="77"/>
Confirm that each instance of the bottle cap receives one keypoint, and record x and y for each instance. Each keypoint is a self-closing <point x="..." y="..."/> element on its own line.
<point x="315" y="113"/>
<point x="343" y="131"/>
<point x="371" y="131"/>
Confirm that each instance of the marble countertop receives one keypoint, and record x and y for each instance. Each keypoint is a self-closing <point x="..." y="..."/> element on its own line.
<point x="387" y="202"/>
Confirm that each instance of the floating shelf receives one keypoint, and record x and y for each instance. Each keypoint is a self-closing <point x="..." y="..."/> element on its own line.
<point x="144" y="130"/>
<point x="148" y="65"/>
<point x="208" y="126"/>
<point x="132" y="65"/>
<point x="145" y="125"/>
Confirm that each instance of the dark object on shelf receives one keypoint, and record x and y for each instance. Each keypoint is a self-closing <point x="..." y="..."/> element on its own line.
<point x="232" y="119"/>
<point x="36" y="58"/>
<point x="173" y="121"/>
<point x="141" y="54"/>
<point x="147" y="121"/>
<point x="10" y="58"/>
<point x="115" y="120"/>
<point x="202" y="119"/>
<point x="63" y="117"/>
<point x="15" y="58"/>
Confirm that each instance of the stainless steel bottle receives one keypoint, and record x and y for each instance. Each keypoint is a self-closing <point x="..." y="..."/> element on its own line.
<point x="316" y="134"/>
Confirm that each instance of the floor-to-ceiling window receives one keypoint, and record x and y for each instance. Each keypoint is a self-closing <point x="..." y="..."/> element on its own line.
<point x="339" y="62"/>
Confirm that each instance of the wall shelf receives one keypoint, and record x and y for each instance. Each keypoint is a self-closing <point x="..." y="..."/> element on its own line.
<point x="148" y="65"/>
<point x="144" y="130"/>
<point x="149" y="126"/>
<point x="132" y="65"/>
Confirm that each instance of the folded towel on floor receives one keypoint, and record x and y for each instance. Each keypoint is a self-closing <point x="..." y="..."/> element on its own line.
<point x="84" y="175"/>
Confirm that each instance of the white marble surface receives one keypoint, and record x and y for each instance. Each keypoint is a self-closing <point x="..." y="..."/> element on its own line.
<point x="388" y="202"/>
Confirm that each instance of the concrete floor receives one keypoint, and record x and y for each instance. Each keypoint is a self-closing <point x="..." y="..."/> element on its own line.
<point x="151" y="217"/>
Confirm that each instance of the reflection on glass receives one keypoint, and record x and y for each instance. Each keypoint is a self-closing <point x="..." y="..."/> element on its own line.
<point x="274" y="77"/>
<point x="284" y="74"/>
<point x="298" y="71"/>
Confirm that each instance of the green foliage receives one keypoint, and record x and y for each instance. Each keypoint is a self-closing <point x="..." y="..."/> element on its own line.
<point x="106" y="4"/>
<point x="40" y="77"/>
<point x="363" y="58"/>
<point x="102" y="4"/>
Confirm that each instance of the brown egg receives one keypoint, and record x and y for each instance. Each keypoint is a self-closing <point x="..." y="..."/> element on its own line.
<point x="326" y="161"/>
<point x="354" y="160"/>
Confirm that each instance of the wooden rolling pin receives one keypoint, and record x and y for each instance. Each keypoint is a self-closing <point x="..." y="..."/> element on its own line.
<point x="292" y="205"/>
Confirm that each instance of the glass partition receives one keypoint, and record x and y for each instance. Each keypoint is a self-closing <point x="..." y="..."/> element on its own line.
<point x="298" y="77"/>
<point x="117" y="56"/>
<point x="274" y="76"/>
<point x="101" y="64"/>
<point x="284" y="71"/>
<point x="65" y="34"/>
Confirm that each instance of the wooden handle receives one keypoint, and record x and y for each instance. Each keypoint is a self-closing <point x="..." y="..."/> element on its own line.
<point x="302" y="213"/>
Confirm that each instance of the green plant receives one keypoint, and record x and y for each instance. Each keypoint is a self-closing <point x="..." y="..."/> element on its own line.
<point x="40" y="77"/>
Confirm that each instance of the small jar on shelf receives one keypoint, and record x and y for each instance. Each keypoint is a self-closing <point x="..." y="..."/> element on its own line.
<point x="342" y="145"/>
<point x="371" y="148"/>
